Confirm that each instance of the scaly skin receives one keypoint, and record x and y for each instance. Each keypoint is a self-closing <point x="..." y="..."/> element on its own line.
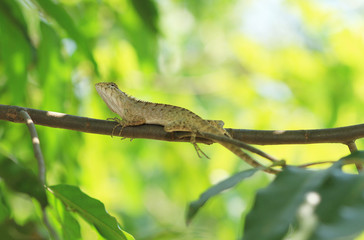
<point x="137" y="112"/>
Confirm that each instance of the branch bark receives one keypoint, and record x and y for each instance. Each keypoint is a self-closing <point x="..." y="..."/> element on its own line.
<point x="260" y="137"/>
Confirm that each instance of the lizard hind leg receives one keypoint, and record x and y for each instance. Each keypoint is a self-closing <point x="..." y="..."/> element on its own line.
<point x="197" y="148"/>
<point x="198" y="151"/>
<point x="176" y="126"/>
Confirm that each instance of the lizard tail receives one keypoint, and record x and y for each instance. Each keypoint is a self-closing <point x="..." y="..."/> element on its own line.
<point x="238" y="152"/>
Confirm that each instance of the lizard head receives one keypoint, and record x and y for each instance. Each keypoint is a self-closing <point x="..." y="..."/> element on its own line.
<point x="110" y="93"/>
<point x="107" y="89"/>
<point x="105" y="85"/>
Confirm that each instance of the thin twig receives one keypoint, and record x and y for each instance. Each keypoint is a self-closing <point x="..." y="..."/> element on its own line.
<point x="41" y="167"/>
<point x="353" y="148"/>
<point x="314" y="163"/>
<point x="36" y="146"/>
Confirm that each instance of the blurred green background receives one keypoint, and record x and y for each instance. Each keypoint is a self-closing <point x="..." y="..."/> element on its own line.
<point x="269" y="64"/>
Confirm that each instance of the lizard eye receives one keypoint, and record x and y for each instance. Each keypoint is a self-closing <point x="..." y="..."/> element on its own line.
<point x="114" y="85"/>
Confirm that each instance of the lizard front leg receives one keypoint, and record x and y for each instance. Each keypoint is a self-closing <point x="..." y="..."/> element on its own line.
<point x="133" y="120"/>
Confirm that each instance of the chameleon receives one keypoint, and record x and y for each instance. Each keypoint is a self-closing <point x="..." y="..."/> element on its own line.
<point x="134" y="112"/>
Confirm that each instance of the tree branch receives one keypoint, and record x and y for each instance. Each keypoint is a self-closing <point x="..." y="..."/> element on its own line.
<point x="90" y="125"/>
<point x="260" y="137"/>
<point x="310" y="136"/>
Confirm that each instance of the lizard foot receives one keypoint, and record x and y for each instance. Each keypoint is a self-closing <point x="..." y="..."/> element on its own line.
<point x="198" y="151"/>
<point x="122" y="138"/>
<point x="120" y="123"/>
<point x="197" y="148"/>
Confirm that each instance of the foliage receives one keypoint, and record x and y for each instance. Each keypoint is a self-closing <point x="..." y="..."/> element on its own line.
<point x="22" y="180"/>
<point x="299" y="65"/>
<point x="326" y="204"/>
<point x="216" y="189"/>
<point x="91" y="210"/>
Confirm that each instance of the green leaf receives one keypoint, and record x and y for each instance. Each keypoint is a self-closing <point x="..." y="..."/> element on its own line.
<point x="337" y="214"/>
<point x="65" y="21"/>
<point x="22" y="180"/>
<point x="48" y="52"/>
<point x="276" y="206"/>
<point x="91" y="210"/>
<point x="10" y="229"/>
<point x="148" y="12"/>
<point x="12" y="11"/>
<point x="341" y="210"/>
<point x="16" y="49"/>
<point x="230" y="182"/>
<point x="4" y="207"/>
<point x="70" y="226"/>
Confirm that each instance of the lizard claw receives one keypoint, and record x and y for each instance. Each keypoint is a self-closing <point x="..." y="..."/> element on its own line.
<point x="197" y="148"/>
<point x="198" y="151"/>
<point x="120" y="123"/>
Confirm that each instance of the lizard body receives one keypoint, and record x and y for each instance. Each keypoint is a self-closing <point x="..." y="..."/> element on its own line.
<point x="137" y="112"/>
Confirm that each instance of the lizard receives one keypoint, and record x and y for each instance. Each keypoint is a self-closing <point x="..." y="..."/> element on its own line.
<point x="134" y="112"/>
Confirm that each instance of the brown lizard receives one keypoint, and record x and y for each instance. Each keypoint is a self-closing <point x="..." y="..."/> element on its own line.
<point x="137" y="112"/>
